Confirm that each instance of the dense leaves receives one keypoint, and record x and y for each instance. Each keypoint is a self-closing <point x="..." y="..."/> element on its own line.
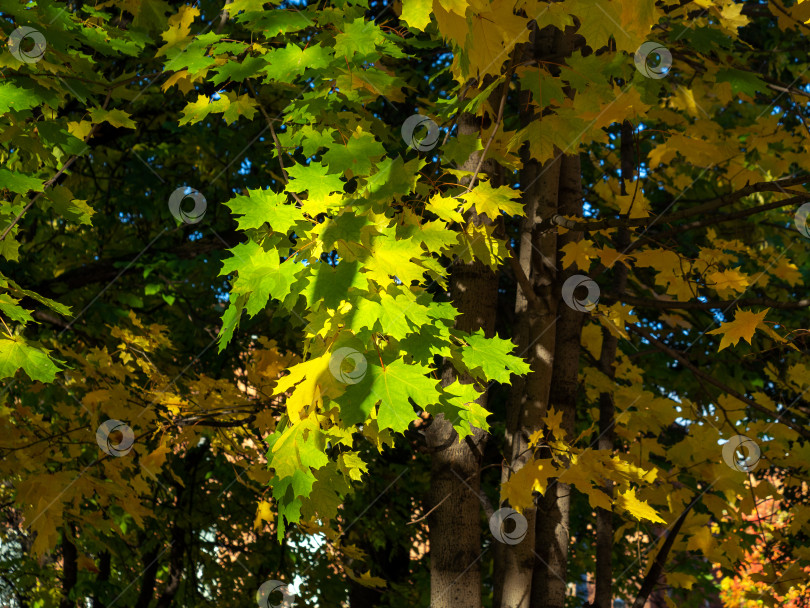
<point x="318" y="260"/>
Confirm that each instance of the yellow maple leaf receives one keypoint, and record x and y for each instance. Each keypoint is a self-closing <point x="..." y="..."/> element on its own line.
<point x="636" y="205"/>
<point x="698" y="529"/>
<point x="610" y="256"/>
<point x="787" y="271"/>
<point x="728" y="283"/>
<point x="366" y="579"/>
<point x="493" y="35"/>
<point x="623" y="106"/>
<point x="592" y="339"/>
<point x="638" y="508"/>
<point x="155" y="459"/>
<point x="532" y="477"/>
<point x="743" y="326"/>
<point x="553" y="421"/>
<point x="731" y="17"/>
<point x="580" y="253"/>
<point x="263" y="514"/>
<point x="416" y="13"/>
<point x="179" y="27"/>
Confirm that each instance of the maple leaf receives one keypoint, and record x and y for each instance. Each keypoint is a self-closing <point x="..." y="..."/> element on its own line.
<point x="291" y="61"/>
<point x="264" y="514"/>
<point x="241" y="105"/>
<point x="315" y="179"/>
<point x="392" y="387"/>
<point x="416" y="13"/>
<point x="636" y="206"/>
<point x="19" y="182"/>
<point x="459" y="404"/>
<point x="445" y="207"/>
<point x="638" y="508"/>
<point x="116" y="118"/>
<point x="392" y="257"/>
<point x="357" y="155"/>
<point x="492" y="355"/>
<point x="742" y="327"/>
<point x="728" y="283"/>
<point x="179" y="28"/>
<point x="261" y="274"/>
<point x="15" y="98"/>
<point x="492" y="201"/>
<point x="261" y="206"/>
<point x="359" y="36"/>
<point x="531" y="477"/>
<point x="492" y="36"/>
<point x="580" y="253"/>
<point x="16" y="353"/>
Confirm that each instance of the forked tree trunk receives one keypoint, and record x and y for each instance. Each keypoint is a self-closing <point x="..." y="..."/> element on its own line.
<point x="455" y="531"/>
<point x="534" y="337"/>
<point x="553" y="535"/>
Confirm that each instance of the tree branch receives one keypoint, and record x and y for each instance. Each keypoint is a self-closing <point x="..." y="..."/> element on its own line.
<point x="657" y="568"/>
<point x="712" y="205"/>
<point x="59" y="174"/>
<point x="801" y="430"/>
<point x="695" y="305"/>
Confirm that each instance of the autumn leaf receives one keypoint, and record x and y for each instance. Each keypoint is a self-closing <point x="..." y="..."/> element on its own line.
<point x="742" y="327"/>
<point x="639" y="509"/>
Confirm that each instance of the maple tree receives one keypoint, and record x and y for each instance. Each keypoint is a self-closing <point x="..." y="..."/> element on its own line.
<point x="445" y="303"/>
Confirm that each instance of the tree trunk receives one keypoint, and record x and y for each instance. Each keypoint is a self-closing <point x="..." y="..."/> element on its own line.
<point x="552" y="536"/>
<point x="534" y="335"/>
<point x="455" y="535"/>
<point x="70" y="570"/>
<point x="604" y="519"/>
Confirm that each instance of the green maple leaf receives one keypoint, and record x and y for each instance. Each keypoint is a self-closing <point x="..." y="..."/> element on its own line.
<point x="16" y="353"/>
<point x="331" y="285"/>
<point x="150" y="14"/>
<point x="61" y="200"/>
<point x="248" y="6"/>
<point x="392" y="388"/>
<point x="430" y="342"/>
<point x="315" y="179"/>
<point x="402" y="315"/>
<point x="742" y="81"/>
<point x="493" y="201"/>
<point x="290" y="61"/>
<point x="359" y="36"/>
<point x="192" y="56"/>
<point x="394" y="178"/>
<point x="196" y="111"/>
<point x="274" y="22"/>
<point x="459" y="406"/>
<point x="261" y="206"/>
<point x="492" y="355"/>
<point x="117" y="118"/>
<point x="327" y="493"/>
<point x="236" y="71"/>
<point x="16" y="313"/>
<point x="391" y="257"/>
<point x="347" y="227"/>
<point x="53" y="305"/>
<point x="261" y="275"/>
<point x="356" y="155"/>
<point x="242" y="105"/>
<point x="309" y="138"/>
<point x="19" y="183"/>
<point x="435" y="235"/>
<point x="459" y="148"/>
